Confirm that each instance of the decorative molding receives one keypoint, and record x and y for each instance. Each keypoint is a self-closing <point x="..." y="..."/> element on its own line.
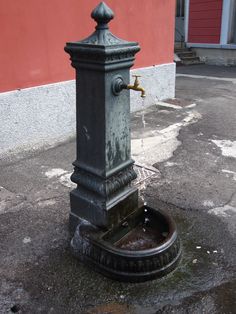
<point x="103" y="187"/>
<point x="81" y="54"/>
<point x="105" y="38"/>
<point x="123" y="263"/>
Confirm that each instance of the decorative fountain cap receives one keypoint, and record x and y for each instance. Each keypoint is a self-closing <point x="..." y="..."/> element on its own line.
<point x="102" y="46"/>
<point x="102" y="14"/>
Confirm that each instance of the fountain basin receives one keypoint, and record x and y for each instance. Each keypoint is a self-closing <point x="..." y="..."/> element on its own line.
<point x="143" y="246"/>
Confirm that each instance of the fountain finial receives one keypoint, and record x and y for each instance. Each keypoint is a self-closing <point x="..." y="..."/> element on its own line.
<point x="102" y="14"/>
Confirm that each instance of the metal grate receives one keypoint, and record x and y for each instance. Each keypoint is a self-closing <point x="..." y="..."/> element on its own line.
<point x="144" y="172"/>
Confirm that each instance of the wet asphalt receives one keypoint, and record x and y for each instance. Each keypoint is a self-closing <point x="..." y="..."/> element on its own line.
<point x="196" y="185"/>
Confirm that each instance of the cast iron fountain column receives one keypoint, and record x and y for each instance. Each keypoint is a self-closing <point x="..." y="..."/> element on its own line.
<point x="111" y="232"/>
<point x="103" y="168"/>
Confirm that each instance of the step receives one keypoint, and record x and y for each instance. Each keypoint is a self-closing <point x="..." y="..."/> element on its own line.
<point x="184" y="54"/>
<point x="190" y="58"/>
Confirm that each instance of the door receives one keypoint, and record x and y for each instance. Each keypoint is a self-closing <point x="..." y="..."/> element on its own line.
<point x="179" y="21"/>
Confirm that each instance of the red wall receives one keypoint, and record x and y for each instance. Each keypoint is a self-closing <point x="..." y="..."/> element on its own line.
<point x="205" y="21"/>
<point x="34" y="32"/>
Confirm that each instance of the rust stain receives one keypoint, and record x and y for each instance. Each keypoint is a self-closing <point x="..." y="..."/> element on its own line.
<point x="110" y="308"/>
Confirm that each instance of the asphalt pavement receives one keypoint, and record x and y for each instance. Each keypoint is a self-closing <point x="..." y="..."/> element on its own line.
<point x="191" y="142"/>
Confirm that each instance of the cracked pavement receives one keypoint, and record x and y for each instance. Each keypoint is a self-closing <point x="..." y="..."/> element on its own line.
<point x="193" y="149"/>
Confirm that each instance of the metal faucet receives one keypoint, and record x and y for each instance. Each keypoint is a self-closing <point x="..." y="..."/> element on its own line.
<point x="136" y="86"/>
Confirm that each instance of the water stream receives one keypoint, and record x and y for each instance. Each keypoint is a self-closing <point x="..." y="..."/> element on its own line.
<point x="143" y="185"/>
<point x="143" y="124"/>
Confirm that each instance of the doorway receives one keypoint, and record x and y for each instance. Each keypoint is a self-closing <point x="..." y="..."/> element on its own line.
<point x="179" y="21"/>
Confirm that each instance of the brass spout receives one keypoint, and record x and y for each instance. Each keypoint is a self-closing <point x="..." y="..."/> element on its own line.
<point x="136" y="86"/>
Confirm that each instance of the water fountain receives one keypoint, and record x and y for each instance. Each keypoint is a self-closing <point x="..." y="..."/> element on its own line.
<point x="112" y="232"/>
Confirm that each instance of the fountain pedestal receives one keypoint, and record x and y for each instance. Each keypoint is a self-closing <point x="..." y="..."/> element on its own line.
<point x="111" y="232"/>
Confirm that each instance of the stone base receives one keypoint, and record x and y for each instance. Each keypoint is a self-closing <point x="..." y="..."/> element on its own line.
<point x="99" y="211"/>
<point x="48" y="111"/>
<point x="124" y="253"/>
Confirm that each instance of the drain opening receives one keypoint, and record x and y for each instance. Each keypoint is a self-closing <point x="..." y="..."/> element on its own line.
<point x="15" y="308"/>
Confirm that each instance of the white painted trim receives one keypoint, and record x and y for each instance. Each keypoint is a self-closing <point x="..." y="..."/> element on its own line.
<point x="186" y="19"/>
<point x="226" y="21"/>
<point x="229" y="46"/>
<point x="211" y="46"/>
<point x="199" y="45"/>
